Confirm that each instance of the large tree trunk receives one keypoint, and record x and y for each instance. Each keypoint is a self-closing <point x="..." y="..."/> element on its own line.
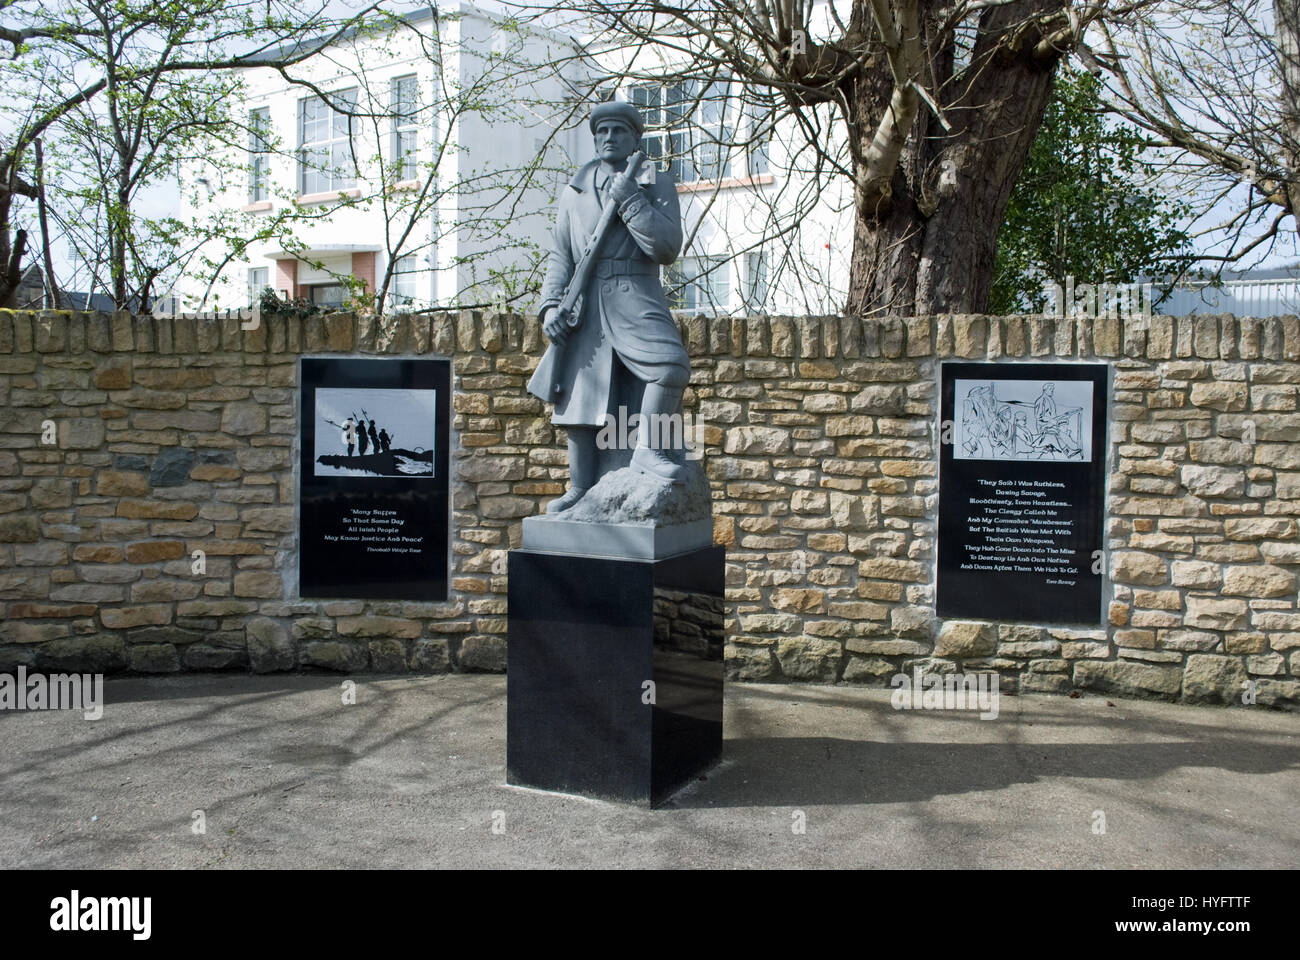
<point x="929" y="246"/>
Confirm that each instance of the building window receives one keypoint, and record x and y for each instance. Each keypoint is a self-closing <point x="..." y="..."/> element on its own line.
<point x="759" y="139"/>
<point x="405" y="107"/>
<point x="686" y="132"/>
<point x="406" y="272"/>
<point x="259" y="278"/>
<point x="325" y="161"/>
<point x="755" y="293"/>
<point x="327" y="294"/>
<point x="666" y="110"/>
<point x="712" y="136"/>
<point x="259" y="154"/>
<point x="700" y="283"/>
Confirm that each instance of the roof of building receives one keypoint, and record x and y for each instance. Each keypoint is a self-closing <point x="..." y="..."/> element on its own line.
<point x="444" y="11"/>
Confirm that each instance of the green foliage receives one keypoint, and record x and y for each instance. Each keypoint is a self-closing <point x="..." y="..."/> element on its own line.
<point x="130" y="97"/>
<point x="1085" y="206"/>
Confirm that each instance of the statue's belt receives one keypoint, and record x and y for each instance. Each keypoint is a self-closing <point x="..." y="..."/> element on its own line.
<point x="617" y="268"/>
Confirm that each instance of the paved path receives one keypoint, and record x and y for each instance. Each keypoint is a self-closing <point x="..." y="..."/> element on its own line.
<point x="412" y="776"/>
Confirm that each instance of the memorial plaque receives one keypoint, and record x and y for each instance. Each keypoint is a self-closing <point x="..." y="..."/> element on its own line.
<point x="373" y="517"/>
<point x="1022" y="468"/>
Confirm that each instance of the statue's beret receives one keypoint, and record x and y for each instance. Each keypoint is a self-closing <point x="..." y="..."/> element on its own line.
<point x="617" y="110"/>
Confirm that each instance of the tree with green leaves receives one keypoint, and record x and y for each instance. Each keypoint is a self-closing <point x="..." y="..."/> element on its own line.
<point x="128" y="87"/>
<point x="398" y="174"/>
<point x="1087" y="205"/>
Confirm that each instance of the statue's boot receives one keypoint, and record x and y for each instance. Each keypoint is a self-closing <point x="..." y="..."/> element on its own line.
<point x="582" y="469"/>
<point x="662" y="456"/>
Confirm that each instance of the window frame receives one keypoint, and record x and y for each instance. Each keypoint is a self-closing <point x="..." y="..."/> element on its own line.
<point x="666" y="139"/>
<point x="683" y="135"/>
<point x="405" y="162"/>
<point x="711" y="275"/>
<point x="315" y="293"/>
<point x="755" y="291"/>
<point x="405" y="275"/>
<point x="335" y="179"/>
<point x="712" y="135"/>
<point x="254" y="288"/>
<point x="758" y="157"/>
<point x="259" y="154"/>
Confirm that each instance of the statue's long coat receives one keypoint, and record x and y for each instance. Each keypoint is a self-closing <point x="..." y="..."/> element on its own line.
<point x="625" y="316"/>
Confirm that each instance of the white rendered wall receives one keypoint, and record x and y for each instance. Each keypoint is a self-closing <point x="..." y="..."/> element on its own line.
<point x="464" y="236"/>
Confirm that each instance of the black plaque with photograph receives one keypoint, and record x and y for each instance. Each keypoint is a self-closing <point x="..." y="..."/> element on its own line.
<point x="373" y="518"/>
<point x="1022" y="474"/>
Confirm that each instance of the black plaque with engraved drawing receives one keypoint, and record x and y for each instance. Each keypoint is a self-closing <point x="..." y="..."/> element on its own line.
<point x="1022" y="474"/>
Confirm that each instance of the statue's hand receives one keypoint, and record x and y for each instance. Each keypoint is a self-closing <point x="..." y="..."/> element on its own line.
<point x="621" y="187"/>
<point x="554" y="325"/>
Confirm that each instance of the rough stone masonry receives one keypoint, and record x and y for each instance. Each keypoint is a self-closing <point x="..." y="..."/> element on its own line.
<point x="170" y="436"/>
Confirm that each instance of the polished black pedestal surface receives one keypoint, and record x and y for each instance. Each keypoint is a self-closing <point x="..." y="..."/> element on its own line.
<point x="614" y="678"/>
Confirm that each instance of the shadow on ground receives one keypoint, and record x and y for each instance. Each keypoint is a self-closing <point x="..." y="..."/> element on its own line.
<point x="286" y="773"/>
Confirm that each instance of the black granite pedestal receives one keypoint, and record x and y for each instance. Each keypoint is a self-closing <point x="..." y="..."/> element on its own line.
<point x="614" y="678"/>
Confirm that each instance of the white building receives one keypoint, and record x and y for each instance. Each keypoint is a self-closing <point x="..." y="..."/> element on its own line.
<point x="769" y="224"/>
<point x="414" y="149"/>
<point x="766" y="230"/>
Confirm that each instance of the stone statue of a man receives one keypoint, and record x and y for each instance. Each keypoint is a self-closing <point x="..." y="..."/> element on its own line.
<point x="625" y="349"/>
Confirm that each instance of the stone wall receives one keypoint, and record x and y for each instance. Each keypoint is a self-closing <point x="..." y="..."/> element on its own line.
<point x="170" y="436"/>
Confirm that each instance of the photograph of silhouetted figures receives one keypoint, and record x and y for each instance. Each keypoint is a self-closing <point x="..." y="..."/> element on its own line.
<point x="374" y="432"/>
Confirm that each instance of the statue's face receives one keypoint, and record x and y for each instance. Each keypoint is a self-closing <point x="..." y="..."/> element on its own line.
<point x="615" y="141"/>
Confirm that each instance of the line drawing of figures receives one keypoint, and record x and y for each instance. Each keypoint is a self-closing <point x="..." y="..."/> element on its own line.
<point x="1002" y="429"/>
<point x="1045" y="405"/>
<point x="1054" y="431"/>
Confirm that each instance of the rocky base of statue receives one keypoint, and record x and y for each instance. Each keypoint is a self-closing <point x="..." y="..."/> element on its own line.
<point x="630" y="515"/>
